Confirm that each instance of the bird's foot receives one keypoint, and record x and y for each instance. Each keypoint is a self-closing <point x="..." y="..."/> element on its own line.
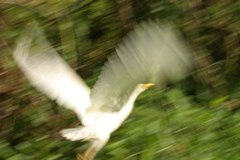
<point x="83" y="156"/>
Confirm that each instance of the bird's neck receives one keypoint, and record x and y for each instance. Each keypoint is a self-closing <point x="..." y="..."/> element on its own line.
<point x="127" y="108"/>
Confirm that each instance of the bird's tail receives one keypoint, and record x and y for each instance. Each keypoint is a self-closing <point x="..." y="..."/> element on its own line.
<point x="79" y="133"/>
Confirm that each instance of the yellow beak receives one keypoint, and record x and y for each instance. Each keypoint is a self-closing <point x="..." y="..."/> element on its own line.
<point x="148" y="85"/>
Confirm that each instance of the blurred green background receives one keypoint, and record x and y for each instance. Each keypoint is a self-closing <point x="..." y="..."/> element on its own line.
<point x="195" y="119"/>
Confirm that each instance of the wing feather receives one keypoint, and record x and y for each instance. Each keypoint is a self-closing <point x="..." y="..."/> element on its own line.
<point x="151" y="53"/>
<point x="49" y="73"/>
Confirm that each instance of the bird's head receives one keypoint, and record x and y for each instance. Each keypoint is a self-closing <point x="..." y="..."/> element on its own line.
<point x="141" y="87"/>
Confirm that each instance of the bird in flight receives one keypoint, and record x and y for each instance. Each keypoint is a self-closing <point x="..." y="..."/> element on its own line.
<point x="152" y="54"/>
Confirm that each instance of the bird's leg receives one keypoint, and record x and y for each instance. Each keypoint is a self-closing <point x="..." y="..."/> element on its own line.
<point x="89" y="154"/>
<point x="95" y="147"/>
<point x="81" y="156"/>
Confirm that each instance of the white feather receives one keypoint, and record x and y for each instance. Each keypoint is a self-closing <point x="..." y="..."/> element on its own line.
<point x="49" y="73"/>
<point x="74" y="134"/>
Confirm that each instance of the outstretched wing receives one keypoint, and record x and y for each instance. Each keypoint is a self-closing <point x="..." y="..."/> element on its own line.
<point x="48" y="72"/>
<point x="151" y="53"/>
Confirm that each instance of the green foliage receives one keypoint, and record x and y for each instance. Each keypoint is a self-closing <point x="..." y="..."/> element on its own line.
<point x="196" y="119"/>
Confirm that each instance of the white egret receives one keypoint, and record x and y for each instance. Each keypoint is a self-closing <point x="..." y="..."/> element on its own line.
<point x="150" y="54"/>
